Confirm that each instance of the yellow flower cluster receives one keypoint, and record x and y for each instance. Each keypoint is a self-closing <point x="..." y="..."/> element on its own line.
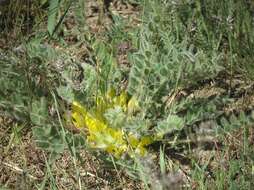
<point x="100" y="135"/>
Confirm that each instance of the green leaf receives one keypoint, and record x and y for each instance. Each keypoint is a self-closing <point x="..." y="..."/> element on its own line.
<point x="173" y="122"/>
<point x="79" y="141"/>
<point x="53" y="9"/>
<point x="43" y="2"/>
<point x="66" y="93"/>
<point x="162" y="161"/>
<point x="48" y="138"/>
<point x="39" y="113"/>
<point x="115" y="117"/>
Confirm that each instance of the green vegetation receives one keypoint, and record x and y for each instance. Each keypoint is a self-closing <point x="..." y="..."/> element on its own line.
<point x="132" y="94"/>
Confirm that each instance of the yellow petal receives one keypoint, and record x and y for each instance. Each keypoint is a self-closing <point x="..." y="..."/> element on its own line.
<point x="141" y="151"/>
<point x="146" y="140"/>
<point x="111" y="94"/>
<point x="123" y="99"/>
<point x="78" y="115"/>
<point x="133" y="105"/>
<point x="133" y="141"/>
<point x="77" y="107"/>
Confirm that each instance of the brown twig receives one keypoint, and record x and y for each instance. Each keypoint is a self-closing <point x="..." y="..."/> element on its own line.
<point x="18" y="170"/>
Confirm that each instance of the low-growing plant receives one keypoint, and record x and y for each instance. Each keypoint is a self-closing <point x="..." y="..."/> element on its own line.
<point x="128" y="111"/>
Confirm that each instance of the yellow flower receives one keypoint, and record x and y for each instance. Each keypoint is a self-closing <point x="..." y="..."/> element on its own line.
<point x="101" y="136"/>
